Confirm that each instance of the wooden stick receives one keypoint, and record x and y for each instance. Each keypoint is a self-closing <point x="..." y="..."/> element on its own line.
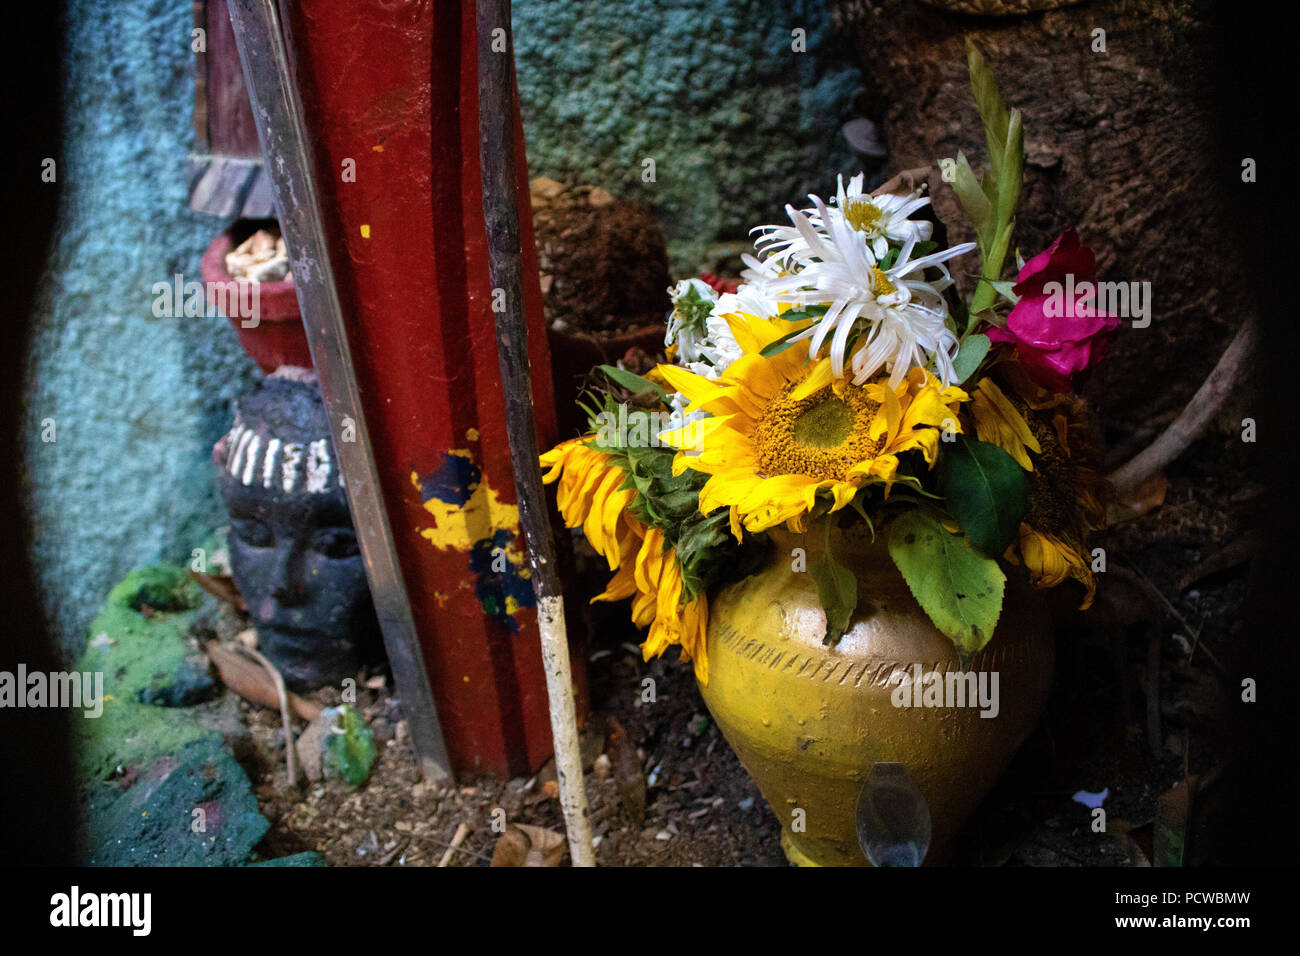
<point x="1189" y="424"/>
<point x="462" y="831"/>
<point x="501" y="215"/>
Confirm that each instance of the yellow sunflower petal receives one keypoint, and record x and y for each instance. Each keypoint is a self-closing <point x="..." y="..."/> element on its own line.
<point x="818" y="378"/>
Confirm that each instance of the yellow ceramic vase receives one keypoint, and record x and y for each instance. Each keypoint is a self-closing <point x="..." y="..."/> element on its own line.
<point x="809" y="721"/>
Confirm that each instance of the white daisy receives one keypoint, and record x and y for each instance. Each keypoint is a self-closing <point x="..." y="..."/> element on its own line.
<point x="881" y="219"/>
<point x="900" y="318"/>
<point x="693" y="300"/>
<point x="704" y="342"/>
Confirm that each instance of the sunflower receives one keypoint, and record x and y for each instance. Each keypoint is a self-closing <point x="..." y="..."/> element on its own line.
<point x="998" y="421"/>
<point x="591" y="495"/>
<point x="784" y="431"/>
<point x="651" y="575"/>
<point x="1066" y="491"/>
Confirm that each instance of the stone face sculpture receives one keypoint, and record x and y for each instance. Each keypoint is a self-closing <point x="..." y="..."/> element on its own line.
<point x="293" y="550"/>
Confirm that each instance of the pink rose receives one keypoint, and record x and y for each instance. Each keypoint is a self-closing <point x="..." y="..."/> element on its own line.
<point x="1057" y="331"/>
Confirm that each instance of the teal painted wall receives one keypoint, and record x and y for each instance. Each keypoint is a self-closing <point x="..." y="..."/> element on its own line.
<point x="137" y="401"/>
<point x="736" y="122"/>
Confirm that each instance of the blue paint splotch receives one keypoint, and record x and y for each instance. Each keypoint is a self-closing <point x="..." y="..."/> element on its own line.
<point x="500" y="591"/>
<point x="454" y="482"/>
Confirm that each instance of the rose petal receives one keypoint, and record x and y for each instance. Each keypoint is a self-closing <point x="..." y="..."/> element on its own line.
<point x="1066" y="256"/>
<point x="1029" y="322"/>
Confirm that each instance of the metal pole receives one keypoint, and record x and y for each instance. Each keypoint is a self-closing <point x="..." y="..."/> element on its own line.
<point x="281" y="127"/>
<point x="501" y="214"/>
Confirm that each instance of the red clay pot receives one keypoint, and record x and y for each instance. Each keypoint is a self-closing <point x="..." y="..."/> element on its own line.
<point x="573" y="354"/>
<point x="278" y="338"/>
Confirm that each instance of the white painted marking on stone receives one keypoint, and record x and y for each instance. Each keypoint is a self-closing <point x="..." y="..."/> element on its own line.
<point x="239" y="451"/>
<point x="318" y="466"/>
<point x="250" y="461"/>
<point x="292" y="457"/>
<point x="268" y="467"/>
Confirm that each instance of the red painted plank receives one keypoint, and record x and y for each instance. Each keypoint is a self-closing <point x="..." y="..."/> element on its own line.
<point x="393" y="87"/>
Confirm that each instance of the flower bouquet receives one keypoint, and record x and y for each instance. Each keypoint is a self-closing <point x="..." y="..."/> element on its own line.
<point x="846" y="392"/>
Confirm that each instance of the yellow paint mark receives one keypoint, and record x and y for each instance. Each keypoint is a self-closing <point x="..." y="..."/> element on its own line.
<point x="365" y="230"/>
<point x="378" y="148"/>
<point x="465" y="678"/>
<point x="471" y="434"/>
<point x="459" y="527"/>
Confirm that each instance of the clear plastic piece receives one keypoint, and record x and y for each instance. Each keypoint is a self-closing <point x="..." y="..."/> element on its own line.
<point x="893" y="818"/>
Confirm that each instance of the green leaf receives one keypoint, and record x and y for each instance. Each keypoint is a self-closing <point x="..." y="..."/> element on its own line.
<point x="985" y="490"/>
<point x="1000" y="186"/>
<point x="781" y="344"/>
<point x="992" y="267"/>
<point x="973" y="349"/>
<point x="837" y="588"/>
<point x="1010" y="172"/>
<point x="631" y="381"/>
<point x="988" y="100"/>
<point x="971" y="195"/>
<point x="1007" y="289"/>
<point x="957" y="586"/>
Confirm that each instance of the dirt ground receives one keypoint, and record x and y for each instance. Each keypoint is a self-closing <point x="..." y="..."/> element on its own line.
<point x="1137" y="707"/>
<point x="700" y="806"/>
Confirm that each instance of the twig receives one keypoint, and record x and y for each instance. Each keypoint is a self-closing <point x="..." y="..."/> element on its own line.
<point x="462" y="831"/>
<point x="1187" y="427"/>
<point x="462" y="849"/>
<point x="284" y="712"/>
<point x="907" y="177"/>
<point x="391" y="855"/>
<point x="1135" y="576"/>
<point x="247" y="680"/>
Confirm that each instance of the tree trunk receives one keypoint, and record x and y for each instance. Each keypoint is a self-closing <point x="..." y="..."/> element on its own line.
<point x="1121" y="144"/>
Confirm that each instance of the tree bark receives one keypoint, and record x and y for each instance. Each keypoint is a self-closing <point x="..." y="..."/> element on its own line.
<point x="1121" y="144"/>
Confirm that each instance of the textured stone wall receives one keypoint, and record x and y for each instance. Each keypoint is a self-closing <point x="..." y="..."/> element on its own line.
<point x="738" y="124"/>
<point x="137" y="401"/>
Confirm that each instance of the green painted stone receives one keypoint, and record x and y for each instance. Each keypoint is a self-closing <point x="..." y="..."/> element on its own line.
<point x="144" y="770"/>
<point x="141" y="643"/>
<point x="349" y="747"/>
<point x="306" y="858"/>
<point x="193" y="808"/>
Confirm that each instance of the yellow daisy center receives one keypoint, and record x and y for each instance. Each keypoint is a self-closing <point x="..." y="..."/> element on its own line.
<point x="862" y="215"/>
<point x="821" y="436"/>
<point x="880" y="284"/>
